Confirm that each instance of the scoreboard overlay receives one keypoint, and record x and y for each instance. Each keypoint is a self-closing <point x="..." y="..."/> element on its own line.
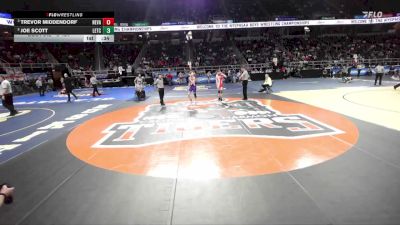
<point x="35" y="26"/>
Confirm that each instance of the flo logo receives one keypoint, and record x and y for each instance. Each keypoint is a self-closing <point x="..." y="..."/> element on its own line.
<point x="209" y="119"/>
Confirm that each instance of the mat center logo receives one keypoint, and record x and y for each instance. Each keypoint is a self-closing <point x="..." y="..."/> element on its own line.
<point x="182" y="121"/>
<point x="212" y="139"/>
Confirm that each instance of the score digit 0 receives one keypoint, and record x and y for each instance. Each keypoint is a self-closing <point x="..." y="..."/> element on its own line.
<point x="108" y="21"/>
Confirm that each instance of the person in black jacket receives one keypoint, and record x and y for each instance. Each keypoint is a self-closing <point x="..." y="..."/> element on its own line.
<point x="69" y="87"/>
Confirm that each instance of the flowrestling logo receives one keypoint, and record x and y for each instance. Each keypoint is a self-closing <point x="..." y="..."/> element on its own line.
<point x="181" y="121"/>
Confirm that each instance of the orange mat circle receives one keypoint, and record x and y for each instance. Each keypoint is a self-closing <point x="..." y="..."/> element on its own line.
<point x="220" y="156"/>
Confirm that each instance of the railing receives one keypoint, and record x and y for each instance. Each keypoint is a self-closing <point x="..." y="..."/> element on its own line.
<point x="99" y="73"/>
<point x="308" y="64"/>
<point x="31" y="65"/>
<point x="103" y="74"/>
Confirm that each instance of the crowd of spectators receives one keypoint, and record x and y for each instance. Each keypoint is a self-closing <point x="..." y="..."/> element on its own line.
<point x="115" y="55"/>
<point x="214" y="53"/>
<point x="11" y="52"/>
<point x="79" y="56"/>
<point x="164" y="55"/>
<point x="319" y="49"/>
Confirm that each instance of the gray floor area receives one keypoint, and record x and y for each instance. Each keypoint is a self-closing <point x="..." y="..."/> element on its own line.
<point x="361" y="186"/>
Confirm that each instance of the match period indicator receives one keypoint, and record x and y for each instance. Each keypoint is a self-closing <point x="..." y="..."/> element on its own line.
<point x="64" y="27"/>
<point x="63" y="38"/>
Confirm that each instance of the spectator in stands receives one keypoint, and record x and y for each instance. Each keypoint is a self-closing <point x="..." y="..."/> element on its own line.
<point x="6" y="94"/>
<point x="120" y="70"/>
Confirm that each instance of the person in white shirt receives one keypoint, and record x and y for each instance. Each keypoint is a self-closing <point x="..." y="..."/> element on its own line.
<point x="244" y="77"/>
<point x="94" y="82"/>
<point x="120" y="70"/>
<point x="50" y="83"/>
<point x="266" y="86"/>
<point x="139" y="87"/>
<point x="139" y="82"/>
<point x="40" y="86"/>
<point x="159" y="83"/>
<point x="181" y="78"/>
<point x="208" y="76"/>
<point x="7" y="96"/>
<point x="380" y="70"/>
<point x="129" y="70"/>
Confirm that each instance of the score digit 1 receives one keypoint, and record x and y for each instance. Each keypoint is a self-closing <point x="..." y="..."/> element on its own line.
<point x="108" y="26"/>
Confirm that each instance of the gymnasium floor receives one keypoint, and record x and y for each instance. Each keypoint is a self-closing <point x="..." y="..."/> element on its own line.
<point x="316" y="151"/>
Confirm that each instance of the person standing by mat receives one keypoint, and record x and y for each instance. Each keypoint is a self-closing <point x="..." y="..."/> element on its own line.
<point x="159" y="83"/>
<point x="219" y="81"/>
<point x="380" y="70"/>
<point x="7" y="96"/>
<point x="192" y="87"/>
<point x="94" y="82"/>
<point x="244" y="77"/>
<point x="396" y="78"/>
<point x="69" y="87"/>
<point x="40" y="86"/>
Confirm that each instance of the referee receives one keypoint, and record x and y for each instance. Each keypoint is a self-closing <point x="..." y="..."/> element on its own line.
<point x="7" y="96"/>
<point x="380" y="70"/>
<point x="244" y="77"/>
<point x="94" y="82"/>
<point x="159" y="83"/>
